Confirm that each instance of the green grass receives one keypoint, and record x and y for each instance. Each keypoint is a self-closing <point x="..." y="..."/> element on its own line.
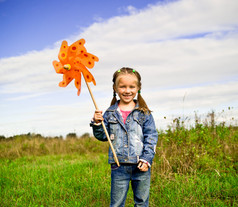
<point x="192" y="167"/>
<point x="79" y="180"/>
<point x="202" y="189"/>
<point x="55" y="181"/>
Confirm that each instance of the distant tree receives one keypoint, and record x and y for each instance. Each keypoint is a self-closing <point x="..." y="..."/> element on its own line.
<point x="71" y="135"/>
<point x="85" y="135"/>
<point x="38" y="135"/>
<point x="58" y="137"/>
<point x="2" y="137"/>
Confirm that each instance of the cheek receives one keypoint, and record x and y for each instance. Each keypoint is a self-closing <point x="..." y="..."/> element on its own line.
<point x="136" y="89"/>
<point x="115" y="89"/>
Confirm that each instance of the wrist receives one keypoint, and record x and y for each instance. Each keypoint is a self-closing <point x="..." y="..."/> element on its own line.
<point x="146" y="162"/>
<point x="93" y="122"/>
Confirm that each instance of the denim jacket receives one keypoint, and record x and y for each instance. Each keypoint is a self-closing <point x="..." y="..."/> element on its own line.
<point x="133" y="141"/>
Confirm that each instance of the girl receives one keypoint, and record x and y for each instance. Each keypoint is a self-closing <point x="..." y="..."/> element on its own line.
<point x="133" y="134"/>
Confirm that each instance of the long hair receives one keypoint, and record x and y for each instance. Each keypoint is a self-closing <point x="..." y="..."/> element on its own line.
<point x="141" y="102"/>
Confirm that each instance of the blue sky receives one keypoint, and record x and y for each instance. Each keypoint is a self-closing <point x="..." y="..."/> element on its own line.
<point x="35" y="24"/>
<point x="185" y="50"/>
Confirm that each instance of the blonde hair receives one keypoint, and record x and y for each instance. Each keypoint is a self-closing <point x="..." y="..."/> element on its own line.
<point x="141" y="102"/>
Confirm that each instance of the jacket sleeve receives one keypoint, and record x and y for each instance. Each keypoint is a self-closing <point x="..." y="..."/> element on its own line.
<point x="150" y="139"/>
<point x="98" y="130"/>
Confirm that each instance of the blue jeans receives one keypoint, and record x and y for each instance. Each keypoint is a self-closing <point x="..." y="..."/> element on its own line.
<point x="120" y="179"/>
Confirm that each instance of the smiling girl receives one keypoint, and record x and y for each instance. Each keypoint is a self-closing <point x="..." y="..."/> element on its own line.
<point x="132" y="131"/>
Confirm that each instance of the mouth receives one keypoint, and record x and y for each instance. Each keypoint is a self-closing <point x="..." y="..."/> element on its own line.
<point x="126" y="96"/>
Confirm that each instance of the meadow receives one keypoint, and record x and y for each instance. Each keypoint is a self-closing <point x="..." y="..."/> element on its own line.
<point x="192" y="167"/>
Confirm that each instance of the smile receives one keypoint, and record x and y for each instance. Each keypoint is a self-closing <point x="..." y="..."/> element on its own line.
<point x="127" y="96"/>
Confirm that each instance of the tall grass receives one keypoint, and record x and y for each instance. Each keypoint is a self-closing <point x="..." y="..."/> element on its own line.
<point x="201" y="148"/>
<point x="36" y="145"/>
<point x="192" y="167"/>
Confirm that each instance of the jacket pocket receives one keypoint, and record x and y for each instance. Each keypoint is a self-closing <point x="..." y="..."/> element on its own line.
<point x="115" y="133"/>
<point x="113" y="125"/>
<point x="139" y="118"/>
<point x="112" y="120"/>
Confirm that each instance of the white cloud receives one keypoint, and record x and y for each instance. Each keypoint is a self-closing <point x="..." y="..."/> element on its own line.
<point x="27" y="73"/>
<point x="185" y="48"/>
<point x="164" y="22"/>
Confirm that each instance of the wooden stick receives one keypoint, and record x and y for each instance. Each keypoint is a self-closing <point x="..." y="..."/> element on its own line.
<point x="104" y="127"/>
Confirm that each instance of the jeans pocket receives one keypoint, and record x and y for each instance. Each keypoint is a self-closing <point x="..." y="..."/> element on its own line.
<point x="114" y="166"/>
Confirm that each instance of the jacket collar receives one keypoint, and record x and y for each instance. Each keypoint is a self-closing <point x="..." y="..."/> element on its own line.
<point x="115" y="106"/>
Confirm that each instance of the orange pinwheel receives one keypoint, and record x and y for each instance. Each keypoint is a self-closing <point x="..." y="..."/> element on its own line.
<point x="74" y="60"/>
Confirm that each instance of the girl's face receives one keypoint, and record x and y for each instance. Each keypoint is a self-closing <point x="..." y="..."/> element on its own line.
<point x="126" y="87"/>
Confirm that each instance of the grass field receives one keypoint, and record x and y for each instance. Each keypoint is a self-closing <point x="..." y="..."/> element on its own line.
<point x="192" y="167"/>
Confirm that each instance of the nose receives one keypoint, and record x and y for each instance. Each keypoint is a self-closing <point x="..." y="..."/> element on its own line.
<point x="127" y="90"/>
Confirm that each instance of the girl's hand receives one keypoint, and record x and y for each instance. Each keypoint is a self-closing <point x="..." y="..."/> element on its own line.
<point x="98" y="116"/>
<point x="143" y="166"/>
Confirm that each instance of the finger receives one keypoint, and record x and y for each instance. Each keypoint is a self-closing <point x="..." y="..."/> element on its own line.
<point x="143" y="167"/>
<point x="99" y="117"/>
<point x="98" y="111"/>
<point x="140" y="165"/>
<point x="98" y="120"/>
